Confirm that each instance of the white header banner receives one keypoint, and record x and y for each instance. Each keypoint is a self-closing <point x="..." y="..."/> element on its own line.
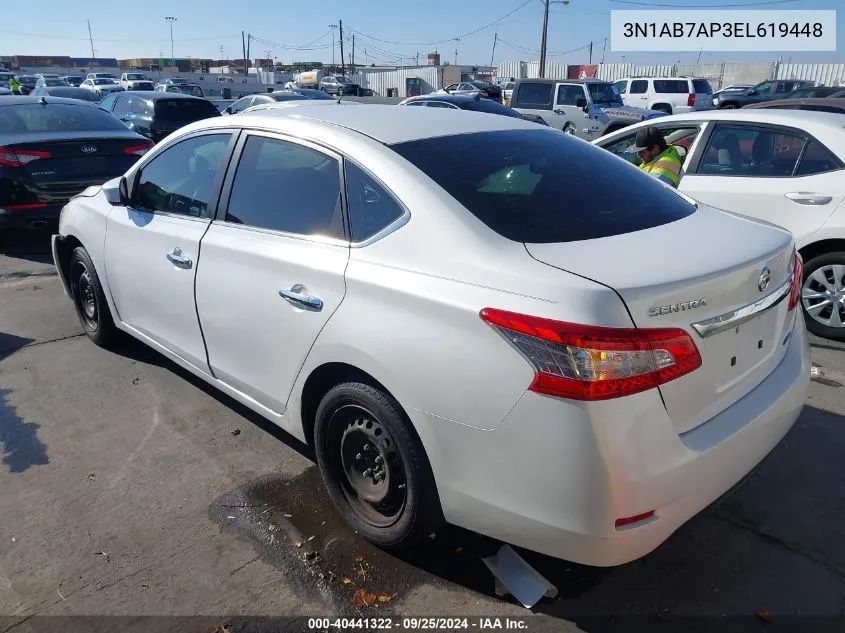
<point x="716" y="31"/>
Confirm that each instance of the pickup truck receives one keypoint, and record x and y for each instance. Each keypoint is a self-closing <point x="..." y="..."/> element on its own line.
<point x="586" y="108"/>
<point x="135" y="81"/>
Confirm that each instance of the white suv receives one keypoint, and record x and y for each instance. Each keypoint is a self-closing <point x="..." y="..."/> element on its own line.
<point x="672" y="95"/>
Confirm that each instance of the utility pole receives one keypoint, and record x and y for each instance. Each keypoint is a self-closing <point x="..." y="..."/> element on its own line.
<point x="342" y="64"/>
<point x="604" y="50"/>
<point x="543" y="39"/>
<point x="246" y="61"/>
<point x="697" y="61"/>
<point x="332" y="27"/>
<point x="353" y="54"/>
<point x="591" y="54"/>
<point x="243" y="44"/>
<point x="91" y="39"/>
<point x="457" y="40"/>
<point x="495" y="37"/>
<point x="221" y="53"/>
<point x="171" y="19"/>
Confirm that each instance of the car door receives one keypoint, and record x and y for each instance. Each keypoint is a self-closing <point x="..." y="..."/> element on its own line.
<point x="567" y="114"/>
<point x="273" y="264"/>
<point x="121" y="110"/>
<point x="781" y="175"/>
<point x="534" y="97"/>
<point x="152" y="244"/>
<point x="108" y="102"/>
<point x="638" y="94"/>
<point x="683" y="136"/>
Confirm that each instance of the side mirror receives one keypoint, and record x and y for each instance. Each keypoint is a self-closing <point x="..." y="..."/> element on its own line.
<point x="123" y="188"/>
<point x="581" y="103"/>
<point x="228" y="110"/>
<point x="752" y="92"/>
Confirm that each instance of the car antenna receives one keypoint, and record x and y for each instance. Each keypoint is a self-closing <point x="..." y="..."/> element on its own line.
<point x="43" y="100"/>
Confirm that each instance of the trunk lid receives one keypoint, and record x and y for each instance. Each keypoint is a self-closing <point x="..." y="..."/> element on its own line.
<point x="663" y="274"/>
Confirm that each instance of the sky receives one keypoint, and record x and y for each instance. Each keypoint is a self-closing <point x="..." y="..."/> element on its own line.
<point x="301" y="31"/>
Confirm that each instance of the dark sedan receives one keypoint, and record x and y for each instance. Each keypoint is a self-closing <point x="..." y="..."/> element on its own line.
<point x="28" y="83"/>
<point x="157" y="114"/>
<point x="67" y="92"/>
<point x="828" y="104"/>
<point x="311" y="94"/>
<point x="466" y="102"/>
<point x="52" y="149"/>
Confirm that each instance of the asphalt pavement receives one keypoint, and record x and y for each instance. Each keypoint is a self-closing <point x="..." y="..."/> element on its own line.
<point x="130" y="488"/>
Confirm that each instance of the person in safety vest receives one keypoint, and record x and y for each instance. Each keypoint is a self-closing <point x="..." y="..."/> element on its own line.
<point x="658" y="158"/>
<point x="15" y="85"/>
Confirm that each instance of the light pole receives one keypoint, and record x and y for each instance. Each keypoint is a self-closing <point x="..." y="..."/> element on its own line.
<point x="544" y="38"/>
<point x="332" y="27"/>
<point x="171" y="19"/>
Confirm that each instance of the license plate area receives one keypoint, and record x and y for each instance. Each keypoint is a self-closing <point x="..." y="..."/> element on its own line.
<point x="750" y="347"/>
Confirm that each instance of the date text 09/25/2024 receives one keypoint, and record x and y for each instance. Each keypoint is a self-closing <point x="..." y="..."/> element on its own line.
<point x="418" y="624"/>
<point x="722" y="29"/>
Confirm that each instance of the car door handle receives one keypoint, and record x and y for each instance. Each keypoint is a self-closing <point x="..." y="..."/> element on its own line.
<point x="178" y="259"/>
<point x="559" y="111"/>
<point x="296" y="296"/>
<point x="809" y="198"/>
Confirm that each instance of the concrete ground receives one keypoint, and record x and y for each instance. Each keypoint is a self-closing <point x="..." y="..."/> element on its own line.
<point x="129" y="488"/>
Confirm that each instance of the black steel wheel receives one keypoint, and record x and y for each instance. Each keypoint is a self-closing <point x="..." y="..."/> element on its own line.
<point x="89" y="300"/>
<point x="374" y="466"/>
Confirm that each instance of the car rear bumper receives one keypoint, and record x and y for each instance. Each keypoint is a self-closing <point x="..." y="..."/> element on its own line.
<point x="556" y="475"/>
<point x="33" y="219"/>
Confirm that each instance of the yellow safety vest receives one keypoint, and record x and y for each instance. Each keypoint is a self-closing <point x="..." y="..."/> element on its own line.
<point x="666" y="167"/>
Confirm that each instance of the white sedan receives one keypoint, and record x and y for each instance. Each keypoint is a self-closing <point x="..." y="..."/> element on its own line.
<point x="461" y="314"/>
<point x="782" y="166"/>
<point x="101" y="86"/>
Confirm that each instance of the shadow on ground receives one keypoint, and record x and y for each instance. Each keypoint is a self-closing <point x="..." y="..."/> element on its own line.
<point x="30" y="245"/>
<point x="768" y="556"/>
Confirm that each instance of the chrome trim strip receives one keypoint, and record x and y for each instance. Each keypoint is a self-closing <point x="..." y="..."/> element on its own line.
<point x="735" y="318"/>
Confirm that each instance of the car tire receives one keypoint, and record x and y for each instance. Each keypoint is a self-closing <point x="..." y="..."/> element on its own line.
<point x="569" y="129"/>
<point x="374" y="466"/>
<point x="728" y="106"/>
<point x="89" y="299"/>
<point x="825" y="266"/>
<point x="663" y="108"/>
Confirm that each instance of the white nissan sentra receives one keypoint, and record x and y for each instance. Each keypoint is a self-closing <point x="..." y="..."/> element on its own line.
<point x="471" y="318"/>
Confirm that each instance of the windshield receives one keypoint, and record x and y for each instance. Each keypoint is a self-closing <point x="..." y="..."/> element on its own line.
<point x="486" y="105"/>
<point x="603" y="93"/>
<point x="290" y="97"/>
<point x="28" y="79"/>
<point x="56" y="117"/>
<point x="194" y="91"/>
<point x="315" y="94"/>
<point x="103" y="82"/>
<point x="184" y="109"/>
<point x="178" y="81"/>
<point x="74" y="81"/>
<point x="74" y="93"/>
<point x="343" y="80"/>
<point x="541" y="186"/>
<point x="53" y="82"/>
<point x="135" y="76"/>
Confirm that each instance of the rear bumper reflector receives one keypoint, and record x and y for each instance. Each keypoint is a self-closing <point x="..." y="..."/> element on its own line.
<point x="22" y="207"/>
<point x="628" y="521"/>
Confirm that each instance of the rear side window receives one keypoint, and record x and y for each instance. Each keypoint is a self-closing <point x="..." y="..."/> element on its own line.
<point x="639" y="87"/>
<point x="56" y="117"/>
<point x="817" y="159"/>
<point x="535" y="94"/>
<point x="540" y="186"/>
<point x="702" y="86"/>
<point x="185" y="109"/>
<point x="371" y="208"/>
<point x="671" y="86"/>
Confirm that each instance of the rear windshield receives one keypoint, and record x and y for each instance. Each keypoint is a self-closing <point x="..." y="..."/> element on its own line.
<point x="486" y="105"/>
<point x="702" y="86"/>
<point x="135" y="76"/>
<point x="53" y="82"/>
<point x="103" y="82"/>
<point x="74" y="93"/>
<point x="55" y="117"/>
<point x="534" y="94"/>
<point x="540" y="186"/>
<point x="184" y="109"/>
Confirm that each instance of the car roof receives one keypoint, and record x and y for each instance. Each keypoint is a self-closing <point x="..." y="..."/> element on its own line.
<point x="21" y="100"/>
<point x="385" y="123"/>
<point x="777" y="103"/>
<point x="587" y="80"/>
<point x="154" y="96"/>
<point x="447" y="98"/>
<point x="793" y="118"/>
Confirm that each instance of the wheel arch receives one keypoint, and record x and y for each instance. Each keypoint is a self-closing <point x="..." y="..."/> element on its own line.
<point x="814" y="249"/>
<point x="662" y="106"/>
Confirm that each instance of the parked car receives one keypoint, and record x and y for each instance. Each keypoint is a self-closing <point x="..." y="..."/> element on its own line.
<point x="507" y="92"/>
<point x="314" y="94"/>
<point x="155" y="115"/>
<point x="49" y="81"/>
<point x="136" y="81"/>
<point x="28" y="83"/>
<point x="67" y="92"/>
<point x="672" y="95"/>
<point x="819" y="92"/>
<point x="172" y="81"/>
<point x="73" y="81"/>
<point x="764" y="91"/>
<point x="222" y="104"/>
<point x="193" y="90"/>
<point x="781" y="166"/>
<point x="472" y="88"/>
<point x="827" y="104"/>
<point x="586" y="108"/>
<point x="472" y="104"/>
<point x="250" y="100"/>
<point x="101" y="76"/>
<point x="338" y="85"/>
<point x="549" y="400"/>
<point x="5" y="91"/>
<point x="52" y="149"/>
<point x="101" y="86"/>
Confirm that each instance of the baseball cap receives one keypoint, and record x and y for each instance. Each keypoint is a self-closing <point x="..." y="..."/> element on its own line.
<point x="646" y="137"/>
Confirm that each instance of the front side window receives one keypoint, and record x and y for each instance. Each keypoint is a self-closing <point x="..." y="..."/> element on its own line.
<point x="541" y="186"/>
<point x="568" y="94"/>
<point x="242" y="104"/>
<point x="764" y="88"/>
<point x="108" y="103"/>
<point x="754" y="152"/>
<point x="682" y="137"/>
<point x="284" y="186"/>
<point x="371" y="208"/>
<point x="639" y="87"/>
<point x="181" y="179"/>
<point x="621" y="87"/>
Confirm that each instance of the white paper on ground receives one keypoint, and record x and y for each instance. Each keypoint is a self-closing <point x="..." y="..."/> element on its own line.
<point x="515" y="576"/>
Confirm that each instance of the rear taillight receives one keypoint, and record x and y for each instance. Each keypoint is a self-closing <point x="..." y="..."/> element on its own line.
<point x="20" y="157"/>
<point x="585" y="362"/>
<point x="23" y="207"/>
<point x="691" y="100"/>
<point x="139" y="150"/>
<point x="797" y="277"/>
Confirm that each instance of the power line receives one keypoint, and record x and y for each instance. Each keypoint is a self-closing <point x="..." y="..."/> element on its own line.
<point x="703" y="6"/>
